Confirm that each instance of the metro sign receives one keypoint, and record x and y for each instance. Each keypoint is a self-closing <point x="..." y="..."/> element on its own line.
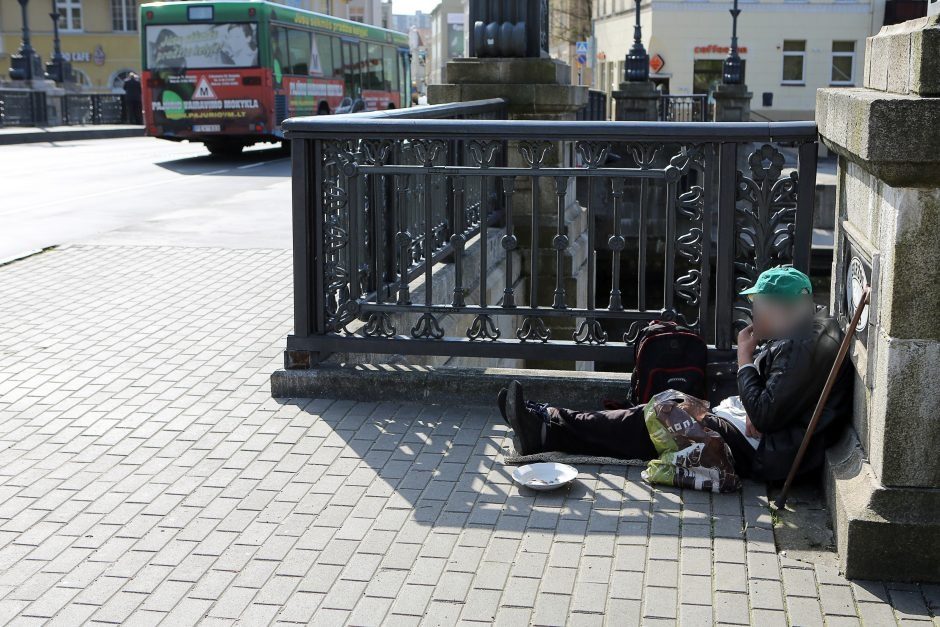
<point x="657" y="63"/>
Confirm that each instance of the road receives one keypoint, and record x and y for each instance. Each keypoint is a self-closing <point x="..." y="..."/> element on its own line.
<point x="141" y="191"/>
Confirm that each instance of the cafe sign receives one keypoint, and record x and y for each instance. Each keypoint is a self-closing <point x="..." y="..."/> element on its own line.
<point x="97" y="56"/>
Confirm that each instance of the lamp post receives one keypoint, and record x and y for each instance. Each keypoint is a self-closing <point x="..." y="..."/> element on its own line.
<point x="637" y="67"/>
<point x="56" y="66"/>
<point x="22" y="64"/>
<point x="732" y="70"/>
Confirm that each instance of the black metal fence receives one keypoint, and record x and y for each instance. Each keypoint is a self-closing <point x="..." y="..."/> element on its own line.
<point x="22" y="107"/>
<point x="93" y="109"/>
<point x="380" y="198"/>
<point x="596" y="108"/>
<point x="676" y="108"/>
<point x="26" y="107"/>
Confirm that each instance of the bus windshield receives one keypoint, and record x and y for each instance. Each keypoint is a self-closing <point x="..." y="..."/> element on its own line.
<point x="197" y="46"/>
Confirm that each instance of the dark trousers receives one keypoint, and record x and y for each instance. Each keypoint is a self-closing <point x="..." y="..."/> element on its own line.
<point x="622" y="433"/>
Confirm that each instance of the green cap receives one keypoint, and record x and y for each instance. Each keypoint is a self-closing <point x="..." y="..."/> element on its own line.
<point x="782" y="282"/>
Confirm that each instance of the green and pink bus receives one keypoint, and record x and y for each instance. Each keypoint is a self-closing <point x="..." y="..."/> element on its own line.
<point x="228" y="73"/>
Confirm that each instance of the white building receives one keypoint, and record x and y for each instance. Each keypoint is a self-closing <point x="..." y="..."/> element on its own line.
<point x="790" y="47"/>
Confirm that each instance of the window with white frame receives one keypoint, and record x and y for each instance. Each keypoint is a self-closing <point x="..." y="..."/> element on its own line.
<point x="843" y="63"/>
<point x="124" y="15"/>
<point x="70" y="14"/>
<point x="794" y="56"/>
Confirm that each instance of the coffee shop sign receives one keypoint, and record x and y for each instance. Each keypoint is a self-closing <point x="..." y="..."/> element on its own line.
<point x="97" y="56"/>
<point x="714" y="49"/>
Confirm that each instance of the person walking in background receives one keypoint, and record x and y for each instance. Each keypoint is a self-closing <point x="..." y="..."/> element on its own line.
<point x="133" y="103"/>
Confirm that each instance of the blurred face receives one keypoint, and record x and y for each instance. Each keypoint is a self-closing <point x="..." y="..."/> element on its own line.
<point x="776" y="318"/>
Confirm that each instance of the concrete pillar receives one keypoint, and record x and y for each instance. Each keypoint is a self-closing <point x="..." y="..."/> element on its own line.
<point x="636" y="101"/>
<point x="732" y="103"/>
<point x="883" y="479"/>
<point x="537" y="89"/>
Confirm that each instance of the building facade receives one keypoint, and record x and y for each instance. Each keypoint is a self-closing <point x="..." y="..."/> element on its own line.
<point x="569" y="23"/>
<point x="404" y="23"/>
<point x="790" y="48"/>
<point x="99" y="37"/>
<point x="448" y="38"/>
<point x="366" y="11"/>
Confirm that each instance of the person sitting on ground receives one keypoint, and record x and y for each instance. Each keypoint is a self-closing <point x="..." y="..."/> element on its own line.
<point x="778" y="389"/>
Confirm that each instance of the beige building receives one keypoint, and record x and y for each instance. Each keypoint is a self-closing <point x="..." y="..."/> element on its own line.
<point x="98" y="37"/>
<point x="790" y="48"/>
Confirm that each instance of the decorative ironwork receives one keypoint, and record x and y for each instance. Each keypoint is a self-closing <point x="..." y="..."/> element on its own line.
<point x="766" y="219"/>
<point x="386" y="207"/>
<point x="427" y="326"/>
<point x="483" y="326"/>
<point x="590" y="331"/>
<point x="533" y="328"/>
<point x="379" y="324"/>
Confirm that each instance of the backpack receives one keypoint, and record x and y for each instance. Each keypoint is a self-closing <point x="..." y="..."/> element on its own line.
<point x="667" y="356"/>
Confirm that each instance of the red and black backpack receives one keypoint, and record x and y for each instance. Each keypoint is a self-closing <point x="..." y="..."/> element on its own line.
<point x="667" y="356"/>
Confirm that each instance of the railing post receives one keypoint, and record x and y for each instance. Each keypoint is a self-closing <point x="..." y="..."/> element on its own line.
<point x="805" y="206"/>
<point x="305" y="209"/>
<point x="724" y="265"/>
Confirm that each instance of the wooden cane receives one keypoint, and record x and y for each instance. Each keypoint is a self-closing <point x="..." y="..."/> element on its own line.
<point x="781" y="501"/>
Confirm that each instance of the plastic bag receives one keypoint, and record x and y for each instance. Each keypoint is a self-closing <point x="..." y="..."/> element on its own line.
<point x="690" y="454"/>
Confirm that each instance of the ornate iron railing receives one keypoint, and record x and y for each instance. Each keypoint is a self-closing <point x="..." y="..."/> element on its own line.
<point x="366" y="225"/>
<point x="676" y="108"/>
<point x="22" y="107"/>
<point x="93" y="109"/>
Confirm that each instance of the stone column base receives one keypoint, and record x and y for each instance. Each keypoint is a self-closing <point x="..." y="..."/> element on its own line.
<point x="637" y="102"/>
<point x="732" y="103"/>
<point x="881" y="533"/>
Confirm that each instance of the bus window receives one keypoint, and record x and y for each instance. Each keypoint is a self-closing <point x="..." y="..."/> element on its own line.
<point x="374" y="75"/>
<point x="321" y="56"/>
<point x="298" y="44"/>
<point x="279" y="49"/>
<point x="390" y="68"/>
<point x="352" y="73"/>
<point x="337" y="57"/>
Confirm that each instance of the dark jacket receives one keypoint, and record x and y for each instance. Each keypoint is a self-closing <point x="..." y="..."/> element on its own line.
<point x="780" y="395"/>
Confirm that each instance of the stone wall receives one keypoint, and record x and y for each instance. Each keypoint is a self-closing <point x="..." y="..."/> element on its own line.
<point x="883" y="480"/>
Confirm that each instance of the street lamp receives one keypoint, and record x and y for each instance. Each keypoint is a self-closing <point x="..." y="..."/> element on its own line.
<point x="732" y="70"/>
<point x="23" y="63"/>
<point x="637" y="67"/>
<point x="57" y="68"/>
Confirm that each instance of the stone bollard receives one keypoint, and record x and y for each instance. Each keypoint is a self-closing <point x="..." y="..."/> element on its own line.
<point x="732" y="103"/>
<point x="883" y="478"/>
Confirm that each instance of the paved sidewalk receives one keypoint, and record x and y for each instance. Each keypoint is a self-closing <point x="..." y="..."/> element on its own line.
<point x="146" y="476"/>
<point x="34" y="134"/>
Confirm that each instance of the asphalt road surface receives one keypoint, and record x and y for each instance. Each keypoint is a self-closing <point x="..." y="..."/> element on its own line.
<point x="142" y="191"/>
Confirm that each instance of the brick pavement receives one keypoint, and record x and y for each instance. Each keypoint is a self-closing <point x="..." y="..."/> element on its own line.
<point x="147" y="476"/>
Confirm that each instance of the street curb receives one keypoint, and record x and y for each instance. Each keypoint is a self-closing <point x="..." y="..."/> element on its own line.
<point x="451" y="386"/>
<point x="38" y="135"/>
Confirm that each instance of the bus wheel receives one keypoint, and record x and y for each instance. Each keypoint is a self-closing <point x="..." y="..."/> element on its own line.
<point x="224" y="148"/>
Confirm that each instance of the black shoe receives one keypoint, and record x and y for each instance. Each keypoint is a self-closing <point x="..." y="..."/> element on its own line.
<point x="501" y="401"/>
<point x="526" y="426"/>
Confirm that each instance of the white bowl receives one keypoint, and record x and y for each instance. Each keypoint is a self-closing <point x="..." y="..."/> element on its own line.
<point x="544" y="475"/>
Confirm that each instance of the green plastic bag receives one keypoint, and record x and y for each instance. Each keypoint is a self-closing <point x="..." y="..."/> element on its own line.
<point x="690" y="454"/>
